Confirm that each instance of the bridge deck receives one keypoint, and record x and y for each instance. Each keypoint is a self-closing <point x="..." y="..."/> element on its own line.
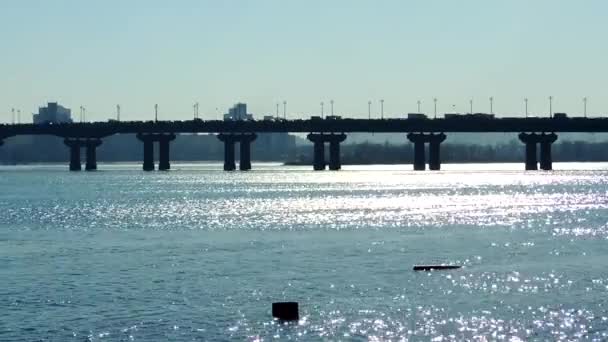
<point x="464" y="124"/>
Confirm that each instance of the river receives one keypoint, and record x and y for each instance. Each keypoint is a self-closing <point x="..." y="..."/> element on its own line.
<point x="200" y="254"/>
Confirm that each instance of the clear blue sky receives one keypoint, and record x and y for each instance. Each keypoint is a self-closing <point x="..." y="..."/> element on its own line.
<point x="140" y="52"/>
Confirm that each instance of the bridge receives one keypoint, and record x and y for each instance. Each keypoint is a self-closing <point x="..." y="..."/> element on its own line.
<point x="532" y="132"/>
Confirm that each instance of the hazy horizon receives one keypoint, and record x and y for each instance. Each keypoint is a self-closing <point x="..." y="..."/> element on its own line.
<point x="139" y="53"/>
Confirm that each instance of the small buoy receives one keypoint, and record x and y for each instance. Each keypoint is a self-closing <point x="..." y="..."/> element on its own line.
<point x="286" y="311"/>
<point x="435" y="267"/>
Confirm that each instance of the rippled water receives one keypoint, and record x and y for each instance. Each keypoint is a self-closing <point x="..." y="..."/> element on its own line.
<point x="199" y="254"/>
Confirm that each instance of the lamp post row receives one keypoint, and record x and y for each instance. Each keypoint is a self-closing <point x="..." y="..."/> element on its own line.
<point x="419" y="103"/>
<point x="16" y="113"/>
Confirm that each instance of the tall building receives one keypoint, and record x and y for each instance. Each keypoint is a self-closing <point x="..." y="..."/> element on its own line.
<point x="53" y="113"/>
<point x="238" y="112"/>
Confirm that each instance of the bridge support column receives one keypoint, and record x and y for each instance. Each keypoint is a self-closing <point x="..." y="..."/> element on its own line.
<point x="334" y="150"/>
<point x="419" y="158"/>
<point x="545" y="141"/>
<point x="148" y="141"/>
<point x="245" y="151"/>
<point x="74" y="145"/>
<point x="91" y="150"/>
<point x="435" y="141"/>
<point x="531" y="163"/>
<point x="319" y="156"/>
<point x="148" y="155"/>
<point x="163" y="151"/>
<point x="334" y="156"/>
<point x="318" y="150"/>
<point x="530" y="139"/>
<point x="319" y="140"/>
<point x="546" y="160"/>
<point x="229" y="141"/>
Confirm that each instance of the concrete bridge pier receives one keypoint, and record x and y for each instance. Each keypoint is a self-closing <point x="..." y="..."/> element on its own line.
<point x="245" y="151"/>
<point x="148" y="141"/>
<point x="531" y="162"/>
<point x="148" y="155"/>
<point x="229" y="141"/>
<point x="91" y="150"/>
<point x="319" y="140"/>
<point x="530" y="139"/>
<point x="545" y="140"/>
<point x="318" y="150"/>
<point x="546" y="160"/>
<point x="419" y="158"/>
<point x="319" y="156"/>
<point x="244" y="140"/>
<point x="435" y="141"/>
<point x="74" y="145"/>
<point x="163" y="140"/>
<point x="163" y="151"/>
<point x="334" y="150"/>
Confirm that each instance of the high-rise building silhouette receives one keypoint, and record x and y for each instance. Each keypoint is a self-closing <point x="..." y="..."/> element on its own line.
<point x="53" y="113"/>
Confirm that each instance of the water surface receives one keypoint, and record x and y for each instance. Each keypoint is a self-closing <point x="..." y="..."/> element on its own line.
<point x="200" y="254"/>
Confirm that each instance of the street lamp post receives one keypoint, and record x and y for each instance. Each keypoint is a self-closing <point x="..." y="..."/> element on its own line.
<point x="418" y="102"/>
<point x="277" y="111"/>
<point x="195" y="110"/>
<point x="526" y="105"/>
<point x="382" y="109"/>
<point x="491" y="105"/>
<point x="117" y="112"/>
<point x="156" y="113"/>
<point x="369" y="110"/>
<point x="585" y="106"/>
<point x="19" y="116"/>
<point x="322" y="110"/>
<point x="13" y="116"/>
<point x="471" y="104"/>
<point x="435" y="109"/>
<point x="550" y="106"/>
<point x="285" y="110"/>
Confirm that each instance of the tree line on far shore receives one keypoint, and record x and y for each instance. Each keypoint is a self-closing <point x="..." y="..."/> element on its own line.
<point x="283" y="148"/>
<point x="370" y="153"/>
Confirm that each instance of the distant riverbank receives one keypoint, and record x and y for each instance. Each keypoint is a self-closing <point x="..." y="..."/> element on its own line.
<point x="513" y="152"/>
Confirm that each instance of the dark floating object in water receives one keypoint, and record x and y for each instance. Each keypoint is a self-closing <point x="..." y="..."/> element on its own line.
<point x="435" y="267"/>
<point x="286" y="311"/>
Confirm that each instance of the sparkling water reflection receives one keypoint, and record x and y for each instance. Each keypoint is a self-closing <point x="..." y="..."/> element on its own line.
<point x="199" y="254"/>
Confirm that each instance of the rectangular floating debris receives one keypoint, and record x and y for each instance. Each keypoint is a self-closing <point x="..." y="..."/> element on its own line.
<point x="435" y="267"/>
<point x="286" y="311"/>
